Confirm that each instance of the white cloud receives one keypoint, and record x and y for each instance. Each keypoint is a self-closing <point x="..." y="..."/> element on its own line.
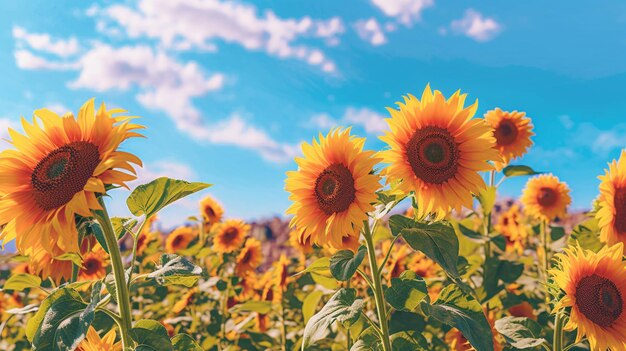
<point x="197" y="23"/>
<point x="45" y="43"/>
<point x="371" y="121"/>
<point x="609" y="140"/>
<point x="58" y="108"/>
<point x="476" y="26"/>
<point x="5" y="124"/>
<point x="370" y="31"/>
<point x="25" y="59"/>
<point x="566" y="121"/>
<point x="405" y="11"/>
<point x="163" y="168"/>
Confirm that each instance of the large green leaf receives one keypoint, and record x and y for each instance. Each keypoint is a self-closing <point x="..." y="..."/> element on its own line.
<point x="21" y="281"/>
<point x="520" y="332"/>
<point x="122" y="226"/>
<point x="150" y="198"/>
<point x="344" y="263"/>
<point x="73" y="330"/>
<point x="176" y="270"/>
<point x="516" y="171"/>
<point x="184" y="342"/>
<point x="406" y="292"/>
<point x="438" y="241"/>
<point x="342" y="307"/>
<point x="497" y="270"/>
<point x="408" y="341"/>
<point x="151" y="334"/>
<point x="61" y="305"/>
<point x="460" y="310"/>
<point x="309" y="304"/>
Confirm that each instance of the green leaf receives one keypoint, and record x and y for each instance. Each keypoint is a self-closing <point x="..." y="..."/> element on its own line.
<point x="461" y="311"/>
<point x="586" y="235"/>
<point x="344" y="263"/>
<point x="406" y="292"/>
<point x="71" y="256"/>
<point x="342" y="307"/>
<point x="184" y="342"/>
<point x="499" y="241"/>
<point x="487" y="198"/>
<point x="22" y="281"/>
<point x="23" y="310"/>
<point x="368" y="341"/>
<point x="121" y="226"/>
<point x="408" y="341"/>
<point x="263" y="307"/>
<point x="150" y="198"/>
<point x="438" y="241"/>
<point x="59" y="306"/>
<point x="109" y="283"/>
<point x="472" y="234"/>
<point x="556" y="233"/>
<point x="309" y="305"/>
<point x="152" y="334"/>
<point x="73" y="330"/>
<point x="516" y="171"/>
<point x="176" y="270"/>
<point x="520" y="332"/>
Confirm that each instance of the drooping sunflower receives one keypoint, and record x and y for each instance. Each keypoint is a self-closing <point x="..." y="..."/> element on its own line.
<point x="179" y="239"/>
<point x="212" y="212"/>
<point x="250" y="256"/>
<point x="93" y="342"/>
<point x="595" y="288"/>
<point x="95" y="264"/>
<point x="56" y="171"/>
<point x="230" y="235"/>
<point x="333" y="188"/>
<point x="436" y="149"/>
<point x="611" y="213"/>
<point x="545" y="197"/>
<point x="512" y="131"/>
<point x="43" y="264"/>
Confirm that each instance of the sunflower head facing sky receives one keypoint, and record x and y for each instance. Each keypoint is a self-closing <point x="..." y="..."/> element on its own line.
<point x="58" y="168"/>
<point x="212" y="212"/>
<point x="545" y="197"/>
<point x="611" y="213"/>
<point x="436" y="150"/>
<point x="333" y="188"/>
<point x="230" y="235"/>
<point x="595" y="288"/>
<point x="512" y="131"/>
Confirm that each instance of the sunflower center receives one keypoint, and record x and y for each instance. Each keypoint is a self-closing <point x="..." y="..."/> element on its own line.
<point x="334" y="189"/>
<point x="230" y="234"/>
<point x="92" y="266"/>
<point x="619" y="201"/>
<point x="247" y="257"/>
<point x="63" y="173"/>
<point x="433" y="155"/>
<point x="506" y="132"/>
<point x="599" y="300"/>
<point x="546" y="197"/>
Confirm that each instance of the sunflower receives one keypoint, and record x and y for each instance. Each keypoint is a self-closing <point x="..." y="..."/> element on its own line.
<point x="179" y="239"/>
<point x="545" y="197"/>
<point x="611" y="213"/>
<point x="56" y="171"/>
<point x="436" y="149"/>
<point x="184" y="301"/>
<point x="523" y="309"/>
<point x="333" y="188"/>
<point x="512" y="131"/>
<point x="95" y="264"/>
<point x="594" y="286"/>
<point x="250" y="256"/>
<point x="93" y="342"/>
<point x="147" y="235"/>
<point x="304" y="247"/>
<point x="43" y="264"/>
<point x="423" y="266"/>
<point x="510" y="225"/>
<point x="230" y="235"/>
<point x="211" y="210"/>
<point x="247" y="283"/>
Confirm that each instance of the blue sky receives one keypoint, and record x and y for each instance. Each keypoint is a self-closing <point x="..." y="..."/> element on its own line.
<point x="228" y="90"/>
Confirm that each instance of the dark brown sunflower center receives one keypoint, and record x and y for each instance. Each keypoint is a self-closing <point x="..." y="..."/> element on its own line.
<point x="230" y="234"/>
<point x="599" y="300"/>
<point x="209" y="212"/>
<point x="177" y="241"/>
<point x="92" y="265"/>
<point x="247" y="257"/>
<point x="619" y="201"/>
<point x="433" y="155"/>
<point x="546" y="197"/>
<point x="63" y="173"/>
<point x="506" y="132"/>
<point x="334" y="189"/>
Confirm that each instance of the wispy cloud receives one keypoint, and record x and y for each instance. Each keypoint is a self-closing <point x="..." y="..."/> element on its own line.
<point x="45" y="43"/>
<point x="476" y="26"/>
<point x="195" y="24"/>
<point x="372" y="121"/>
<point x="406" y="12"/>
<point x="370" y="31"/>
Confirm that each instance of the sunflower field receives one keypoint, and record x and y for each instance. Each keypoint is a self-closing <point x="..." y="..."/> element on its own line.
<point x="405" y="248"/>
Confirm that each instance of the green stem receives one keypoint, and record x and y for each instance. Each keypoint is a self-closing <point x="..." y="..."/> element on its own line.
<point x="546" y="259"/>
<point x="134" y="256"/>
<point x="348" y="329"/>
<point x="557" y="340"/>
<point x="574" y="344"/>
<point x="378" y="288"/>
<point x="123" y="298"/>
<point x="382" y="265"/>
<point x="283" y="329"/>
